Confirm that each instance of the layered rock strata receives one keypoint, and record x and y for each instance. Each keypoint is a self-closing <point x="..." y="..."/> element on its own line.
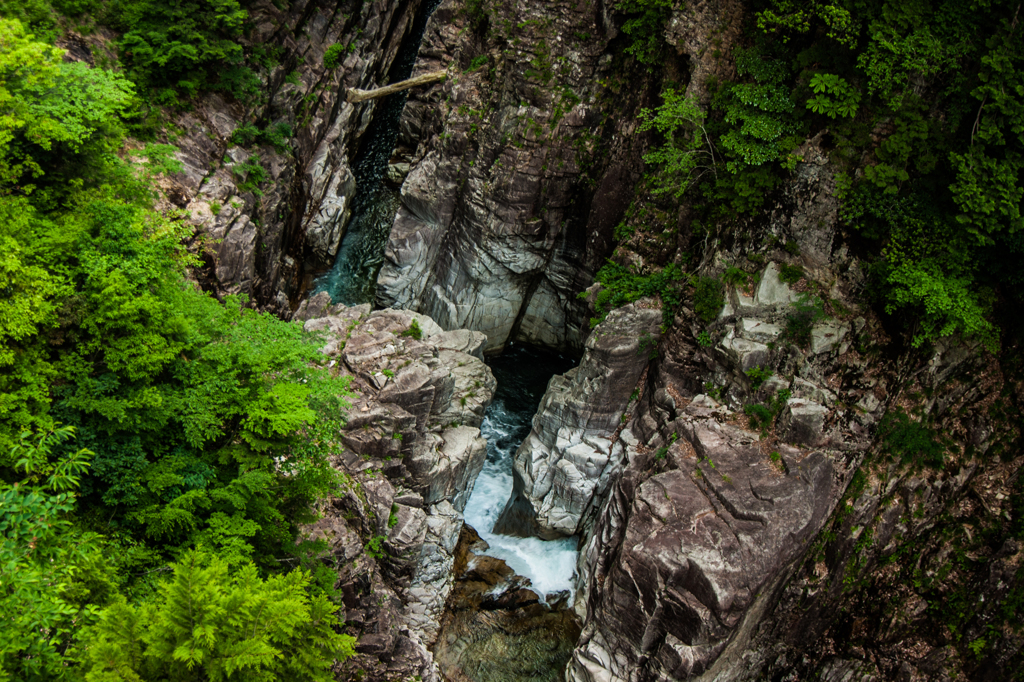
<point x="572" y="453"/>
<point x="519" y="175"/>
<point x="704" y="531"/>
<point x="412" y="451"/>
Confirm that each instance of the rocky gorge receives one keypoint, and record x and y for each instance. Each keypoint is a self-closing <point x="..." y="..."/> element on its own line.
<point x="742" y="507"/>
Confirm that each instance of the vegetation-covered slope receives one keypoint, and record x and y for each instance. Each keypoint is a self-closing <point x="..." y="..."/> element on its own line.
<point x="144" y="425"/>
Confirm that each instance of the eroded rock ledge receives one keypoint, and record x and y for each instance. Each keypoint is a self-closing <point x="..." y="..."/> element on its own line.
<point x="412" y="453"/>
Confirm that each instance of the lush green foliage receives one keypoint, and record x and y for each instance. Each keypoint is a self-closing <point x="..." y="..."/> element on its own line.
<point x="708" y="298"/>
<point x="834" y="97"/>
<point x="621" y="286"/>
<point x="644" y="25"/>
<point x="51" y="573"/>
<point x="48" y="108"/>
<point x="923" y="103"/>
<point x="909" y="441"/>
<point x="209" y="622"/>
<point x="180" y="48"/>
<point x="199" y="423"/>
<point x="761" y="125"/>
<point x="686" y="154"/>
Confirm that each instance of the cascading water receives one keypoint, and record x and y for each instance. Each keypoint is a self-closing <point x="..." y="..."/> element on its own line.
<point x="522" y="375"/>
<point x="511" y="638"/>
<point x="353" y="279"/>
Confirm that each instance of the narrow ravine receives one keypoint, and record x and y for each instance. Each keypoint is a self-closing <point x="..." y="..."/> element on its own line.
<point x="353" y="279"/>
<point x="522" y="374"/>
<point x="498" y="628"/>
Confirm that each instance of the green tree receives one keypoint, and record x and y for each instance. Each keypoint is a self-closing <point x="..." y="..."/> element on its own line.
<point x="212" y="622"/>
<point x="49" y="108"/>
<point x="686" y="153"/>
<point x="644" y="26"/>
<point x="183" y="47"/>
<point x="51" y="573"/>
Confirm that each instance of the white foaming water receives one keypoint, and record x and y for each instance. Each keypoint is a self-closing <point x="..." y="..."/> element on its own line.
<point x="548" y="564"/>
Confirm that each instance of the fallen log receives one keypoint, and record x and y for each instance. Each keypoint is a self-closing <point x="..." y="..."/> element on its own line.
<point x="355" y="95"/>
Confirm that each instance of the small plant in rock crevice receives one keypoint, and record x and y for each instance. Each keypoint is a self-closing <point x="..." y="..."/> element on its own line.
<point x="801" y="320"/>
<point x="375" y="547"/>
<point x="790" y="274"/>
<point x="708" y="298"/>
<point x="413" y="331"/>
<point x="909" y="441"/>
<point x="758" y="375"/>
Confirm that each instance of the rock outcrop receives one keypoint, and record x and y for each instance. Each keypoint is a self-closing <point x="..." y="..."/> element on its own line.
<point x="519" y="175"/>
<point x="412" y="451"/>
<point x="263" y="240"/>
<point x="705" y="528"/>
<point x="572" y="452"/>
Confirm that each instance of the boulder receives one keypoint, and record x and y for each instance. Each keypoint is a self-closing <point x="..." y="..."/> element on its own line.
<point x="803" y="421"/>
<point x="570" y="450"/>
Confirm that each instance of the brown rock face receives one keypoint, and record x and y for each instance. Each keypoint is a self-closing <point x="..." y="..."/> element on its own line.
<point x="705" y="529"/>
<point x="412" y="454"/>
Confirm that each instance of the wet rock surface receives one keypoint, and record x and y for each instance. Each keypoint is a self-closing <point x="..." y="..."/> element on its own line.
<point x="496" y="629"/>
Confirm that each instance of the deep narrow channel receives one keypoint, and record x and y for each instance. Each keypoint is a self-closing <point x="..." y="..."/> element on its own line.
<point x="353" y="279"/>
<point x="522" y="374"/>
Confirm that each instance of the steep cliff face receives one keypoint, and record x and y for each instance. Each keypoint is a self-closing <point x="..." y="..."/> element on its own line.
<point x="753" y="515"/>
<point x="572" y="453"/>
<point x="737" y="546"/>
<point x="526" y="161"/>
<point x="264" y="240"/>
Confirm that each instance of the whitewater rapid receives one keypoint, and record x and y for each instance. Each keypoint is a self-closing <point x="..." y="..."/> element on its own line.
<point x="522" y="375"/>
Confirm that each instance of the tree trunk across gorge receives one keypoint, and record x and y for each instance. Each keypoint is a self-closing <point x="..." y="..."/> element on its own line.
<point x="356" y="95"/>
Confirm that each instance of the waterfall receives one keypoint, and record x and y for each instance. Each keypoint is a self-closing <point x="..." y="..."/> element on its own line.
<point x="522" y="375"/>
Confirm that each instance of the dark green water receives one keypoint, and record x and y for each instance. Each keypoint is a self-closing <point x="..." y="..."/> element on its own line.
<point x="353" y="279"/>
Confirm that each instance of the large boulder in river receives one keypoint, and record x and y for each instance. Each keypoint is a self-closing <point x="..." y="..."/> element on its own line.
<point x="571" y="452"/>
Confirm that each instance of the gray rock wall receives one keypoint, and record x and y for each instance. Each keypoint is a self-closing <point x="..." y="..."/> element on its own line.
<point x="572" y="451"/>
<point x="266" y="243"/>
<point x="520" y="172"/>
<point x="412" y="453"/>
